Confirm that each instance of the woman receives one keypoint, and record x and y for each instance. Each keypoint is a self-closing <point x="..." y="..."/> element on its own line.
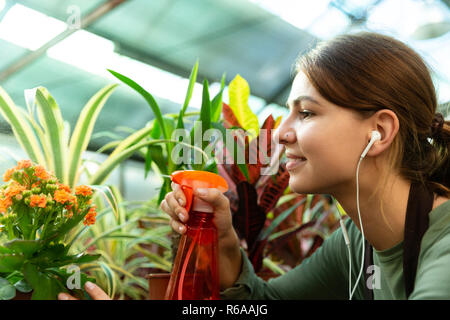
<point x="343" y="90"/>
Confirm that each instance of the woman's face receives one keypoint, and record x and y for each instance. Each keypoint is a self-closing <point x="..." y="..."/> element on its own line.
<point x="331" y="138"/>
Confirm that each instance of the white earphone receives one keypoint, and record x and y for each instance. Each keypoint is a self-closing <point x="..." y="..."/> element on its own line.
<point x="375" y="137"/>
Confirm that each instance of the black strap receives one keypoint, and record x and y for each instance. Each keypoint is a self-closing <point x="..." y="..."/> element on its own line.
<point x="368" y="261"/>
<point x="420" y="203"/>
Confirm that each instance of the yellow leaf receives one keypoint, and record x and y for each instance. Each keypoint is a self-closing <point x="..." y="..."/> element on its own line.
<point x="239" y="91"/>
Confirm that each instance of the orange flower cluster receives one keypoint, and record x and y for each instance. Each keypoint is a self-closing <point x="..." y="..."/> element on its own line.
<point x="62" y="196"/>
<point x="35" y="187"/>
<point x="38" y="201"/>
<point x="83" y="191"/>
<point x="89" y="219"/>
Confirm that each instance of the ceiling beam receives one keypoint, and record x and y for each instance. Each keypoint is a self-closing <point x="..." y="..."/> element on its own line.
<point x="29" y="57"/>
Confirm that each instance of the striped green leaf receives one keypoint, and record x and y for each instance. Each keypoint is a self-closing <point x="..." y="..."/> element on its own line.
<point x="51" y="120"/>
<point x="109" y="196"/>
<point x="22" y="130"/>
<point x="131" y="140"/>
<point x="83" y="131"/>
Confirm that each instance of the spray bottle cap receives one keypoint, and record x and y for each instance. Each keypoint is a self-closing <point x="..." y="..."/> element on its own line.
<point x="193" y="179"/>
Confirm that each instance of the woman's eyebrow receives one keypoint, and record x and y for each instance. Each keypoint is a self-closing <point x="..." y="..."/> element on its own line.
<point x="300" y="99"/>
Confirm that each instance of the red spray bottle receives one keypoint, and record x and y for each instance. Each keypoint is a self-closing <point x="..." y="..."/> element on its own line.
<point x="195" y="273"/>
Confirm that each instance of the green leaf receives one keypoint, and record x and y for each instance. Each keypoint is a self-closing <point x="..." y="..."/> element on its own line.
<point x="239" y="92"/>
<point x="216" y="104"/>
<point x="45" y="286"/>
<point x="7" y="290"/>
<point x="115" y="159"/>
<point x="51" y="119"/>
<point x="110" y="277"/>
<point x="147" y="96"/>
<point x="4" y="250"/>
<point x="132" y="140"/>
<point x="192" y="79"/>
<point x="23" y="286"/>
<point x="11" y="262"/>
<point x="153" y="105"/>
<point x="26" y="247"/>
<point x="22" y="131"/>
<point x="83" y="131"/>
<point x="280" y="218"/>
<point x="106" y="192"/>
<point x="205" y="112"/>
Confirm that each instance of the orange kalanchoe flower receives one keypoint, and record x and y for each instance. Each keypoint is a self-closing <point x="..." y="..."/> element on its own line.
<point x="8" y="174"/>
<point x="24" y="164"/>
<point x="64" y="187"/>
<point x="89" y="219"/>
<point x="14" y="189"/>
<point x="41" y="173"/>
<point x="63" y="196"/>
<point x="83" y="190"/>
<point x="38" y="201"/>
<point x="5" y="203"/>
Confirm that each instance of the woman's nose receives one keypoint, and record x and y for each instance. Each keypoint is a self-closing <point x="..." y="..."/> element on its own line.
<point x="284" y="135"/>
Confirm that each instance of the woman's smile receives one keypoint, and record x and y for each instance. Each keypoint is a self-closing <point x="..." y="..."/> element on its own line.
<point x="294" y="160"/>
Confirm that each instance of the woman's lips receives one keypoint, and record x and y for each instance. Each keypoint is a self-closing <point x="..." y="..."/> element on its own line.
<point x="294" y="163"/>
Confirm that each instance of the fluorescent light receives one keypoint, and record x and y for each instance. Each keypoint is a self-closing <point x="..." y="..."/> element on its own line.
<point x="2" y="4"/>
<point x="299" y="13"/>
<point x="84" y="50"/>
<point x="29" y="28"/>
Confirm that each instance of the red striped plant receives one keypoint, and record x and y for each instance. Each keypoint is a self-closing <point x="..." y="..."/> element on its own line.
<point x="254" y="197"/>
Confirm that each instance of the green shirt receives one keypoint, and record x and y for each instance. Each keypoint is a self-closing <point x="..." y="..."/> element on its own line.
<point x="324" y="275"/>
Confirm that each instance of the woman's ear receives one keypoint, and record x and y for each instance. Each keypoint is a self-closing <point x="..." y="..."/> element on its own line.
<point x="385" y="121"/>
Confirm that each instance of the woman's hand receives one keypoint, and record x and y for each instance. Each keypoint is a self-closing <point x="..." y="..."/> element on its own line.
<point x="175" y="201"/>
<point x="92" y="289"/>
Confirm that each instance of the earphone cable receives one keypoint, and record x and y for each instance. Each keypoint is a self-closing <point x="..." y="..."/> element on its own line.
<point x="362" y="231"/>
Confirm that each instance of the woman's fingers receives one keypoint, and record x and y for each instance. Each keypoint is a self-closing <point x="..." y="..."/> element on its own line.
<point x="95" y="291"/>
<point x="178" y="194"/>
<point x="92" y="289"/>
<point x="65" y="296"/>
<point x="177" y="226"/>
<point x="172" y="206"/>
<point x="215" y="197"/>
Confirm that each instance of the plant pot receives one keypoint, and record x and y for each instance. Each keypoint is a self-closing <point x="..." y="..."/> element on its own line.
<point x="23" y="295"/>
<point x="157" y="285"/>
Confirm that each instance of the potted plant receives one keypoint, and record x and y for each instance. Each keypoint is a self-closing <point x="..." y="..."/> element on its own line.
<point x="36" y="213"/>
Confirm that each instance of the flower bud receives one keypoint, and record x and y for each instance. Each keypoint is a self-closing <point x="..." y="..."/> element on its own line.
<point x="51" y="187"/>
<point x="36" y="190"/>
<point x="26" y="193"/>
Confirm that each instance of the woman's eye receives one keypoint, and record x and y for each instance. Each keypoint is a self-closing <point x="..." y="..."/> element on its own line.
<point x="304" y="114"/>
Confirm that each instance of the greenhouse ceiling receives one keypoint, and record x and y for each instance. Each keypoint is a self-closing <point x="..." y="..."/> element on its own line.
<point x="67" y="47"/>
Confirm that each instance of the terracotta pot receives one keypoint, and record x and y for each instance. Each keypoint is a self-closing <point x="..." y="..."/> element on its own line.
<point x="157" y="283"/>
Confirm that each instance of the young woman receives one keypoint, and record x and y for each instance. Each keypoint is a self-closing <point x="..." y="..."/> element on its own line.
<point x="343" y="90"/>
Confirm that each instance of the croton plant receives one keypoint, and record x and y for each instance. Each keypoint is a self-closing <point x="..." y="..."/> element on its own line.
<point x="268" y="217"/>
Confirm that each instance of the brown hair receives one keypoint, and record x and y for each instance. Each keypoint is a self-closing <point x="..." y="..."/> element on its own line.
<point x="367" y="72"/>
